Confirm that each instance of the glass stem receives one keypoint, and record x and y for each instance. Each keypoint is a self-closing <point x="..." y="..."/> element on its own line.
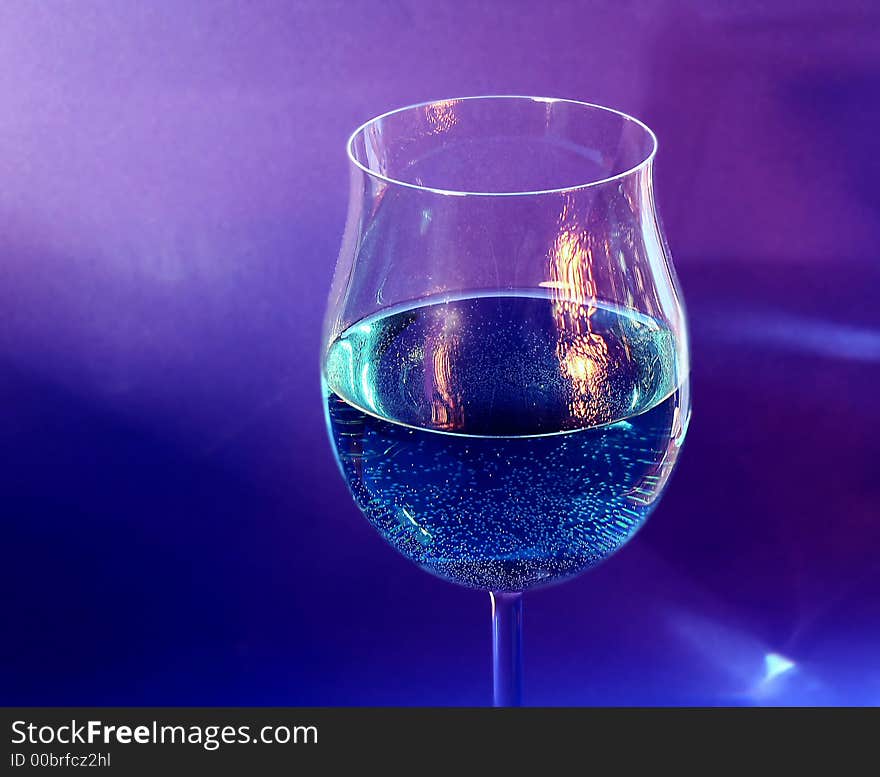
<point x="507" y="615"/>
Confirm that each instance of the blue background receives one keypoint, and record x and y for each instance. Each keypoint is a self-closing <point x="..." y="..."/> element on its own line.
<point x="172" y="194"/>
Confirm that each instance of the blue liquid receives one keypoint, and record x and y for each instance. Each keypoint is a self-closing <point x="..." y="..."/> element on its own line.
<point x="505" y="442"/>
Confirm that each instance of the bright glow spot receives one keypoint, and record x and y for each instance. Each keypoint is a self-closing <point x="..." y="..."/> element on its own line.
<point x="578" y="367"/>
<point x="680" y="426"/>
<point x="369" y="396"/>
<point x="775" y="665"/>
<point x="424" y="536"/>
<point x="350" y="353"/>
<point x="635" y="400"/>
<point x="365" y="329"/>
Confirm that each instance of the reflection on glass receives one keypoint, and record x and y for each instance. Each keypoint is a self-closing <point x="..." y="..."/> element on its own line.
<point x="582" y="352"/>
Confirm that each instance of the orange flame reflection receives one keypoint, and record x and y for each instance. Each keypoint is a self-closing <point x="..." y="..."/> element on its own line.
<point x="582" y="352"/>
<point x="441" y="115"/>
<point x="447" y="411"/>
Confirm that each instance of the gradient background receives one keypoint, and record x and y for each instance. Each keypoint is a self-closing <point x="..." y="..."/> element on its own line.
<point x="172" y="195"/>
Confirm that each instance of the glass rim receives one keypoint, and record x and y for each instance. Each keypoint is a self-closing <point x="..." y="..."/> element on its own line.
<point x="361" y="129"/>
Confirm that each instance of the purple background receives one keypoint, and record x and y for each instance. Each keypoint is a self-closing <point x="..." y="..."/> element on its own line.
<point x="172" y="194"/>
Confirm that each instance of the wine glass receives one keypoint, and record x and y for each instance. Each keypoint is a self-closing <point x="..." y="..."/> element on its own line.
<point x="505" y="359"/>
